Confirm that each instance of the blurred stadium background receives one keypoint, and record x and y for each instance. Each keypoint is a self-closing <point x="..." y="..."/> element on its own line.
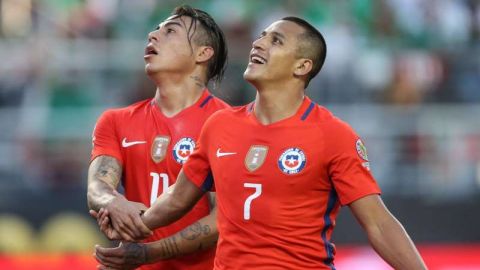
<point x="404" y="73"/>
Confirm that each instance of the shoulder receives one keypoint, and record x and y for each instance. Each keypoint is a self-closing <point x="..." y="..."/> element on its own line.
<point x="218" y="103"/>
<point x="226" y="116"/>
<point x="325" y="118"/>
<point x="122" y="112"/>
<point x="333" y="130"/>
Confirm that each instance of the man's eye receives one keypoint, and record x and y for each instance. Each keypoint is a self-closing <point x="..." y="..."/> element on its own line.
<point x="277" y="41"/>
<point x="170" y="30"/>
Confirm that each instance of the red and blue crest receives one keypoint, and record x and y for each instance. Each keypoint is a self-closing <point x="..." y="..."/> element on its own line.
<point x="182" y="149"/>
<point x="292" y="161"/>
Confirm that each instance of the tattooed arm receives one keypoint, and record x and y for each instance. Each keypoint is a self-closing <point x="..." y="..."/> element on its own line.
<point x="104" y="176"/>
<point x="201" y="235"/>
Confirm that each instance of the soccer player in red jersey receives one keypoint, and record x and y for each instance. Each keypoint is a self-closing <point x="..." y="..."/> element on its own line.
<point x="282" y="167"/>
<point x="145" y="144"/>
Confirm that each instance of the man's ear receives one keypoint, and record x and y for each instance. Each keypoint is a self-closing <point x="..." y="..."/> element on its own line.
<point x="204" y="53"/>
<point x="303" y="66"/>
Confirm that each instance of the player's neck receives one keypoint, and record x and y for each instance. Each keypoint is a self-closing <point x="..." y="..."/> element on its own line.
<point x="273" y="105"/>
<point x="173" y="96"/>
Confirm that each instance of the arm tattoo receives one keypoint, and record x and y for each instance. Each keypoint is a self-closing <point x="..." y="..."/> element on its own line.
<point x="135" y="254"/>
<point x="104" y="174"/>
<point x="108" y="170"/>
<point x="194" y="231"/>
<point x="169" y="247"/>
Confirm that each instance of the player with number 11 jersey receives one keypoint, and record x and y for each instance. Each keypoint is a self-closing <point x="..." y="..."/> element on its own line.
<point x="151" y="149"/>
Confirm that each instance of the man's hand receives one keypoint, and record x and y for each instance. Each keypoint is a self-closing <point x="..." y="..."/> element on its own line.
<point x="105" y="225"/>
<point x="121" y="220"/>
<point x="126" y="256"/>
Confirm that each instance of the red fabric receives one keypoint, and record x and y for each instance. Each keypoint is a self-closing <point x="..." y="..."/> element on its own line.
<point x="311" y="167"/>
<point x="128" y="134"/>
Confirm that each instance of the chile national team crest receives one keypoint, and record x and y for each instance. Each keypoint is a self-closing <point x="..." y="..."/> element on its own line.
<point x="182" y="149"/>
<point x="292" y="161"/>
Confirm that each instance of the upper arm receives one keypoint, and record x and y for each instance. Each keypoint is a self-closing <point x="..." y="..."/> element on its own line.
<point x="105" y="139"/>
<point x="370" y="211"/>
<point x="348" y="165"/>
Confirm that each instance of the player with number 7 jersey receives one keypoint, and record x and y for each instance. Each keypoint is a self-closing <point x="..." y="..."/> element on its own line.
<point x="282" y="167"/>
<point x="279" y="186"/>
<point x="151" y="149"/>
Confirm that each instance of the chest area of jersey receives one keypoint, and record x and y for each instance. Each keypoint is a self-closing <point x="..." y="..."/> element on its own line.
<point x="283" y="157"/>
<point x="158" y="143"/>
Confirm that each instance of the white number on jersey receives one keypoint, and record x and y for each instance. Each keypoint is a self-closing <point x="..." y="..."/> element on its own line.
<point x="155" y="182"/>
<point x="248" y="201"/>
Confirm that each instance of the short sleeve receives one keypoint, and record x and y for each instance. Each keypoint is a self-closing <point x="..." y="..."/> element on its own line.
<point x="197" y="167"/>
<point x="104" y="139"/>
<point x="349" y="167"/>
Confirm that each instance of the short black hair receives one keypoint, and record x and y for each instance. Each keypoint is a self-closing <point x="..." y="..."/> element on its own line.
<point x="210" y="35"/>
<point x="312" y="45"/>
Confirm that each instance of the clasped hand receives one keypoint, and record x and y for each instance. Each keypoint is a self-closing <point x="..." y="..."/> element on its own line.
<point x="121" y="220"/>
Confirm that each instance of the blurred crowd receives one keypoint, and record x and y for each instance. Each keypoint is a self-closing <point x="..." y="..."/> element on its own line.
<point x="404" y="73"/>
<point x="380" y="51"/>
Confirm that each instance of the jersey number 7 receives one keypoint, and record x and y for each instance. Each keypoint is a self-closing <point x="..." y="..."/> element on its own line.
<point x="248" y="201"/>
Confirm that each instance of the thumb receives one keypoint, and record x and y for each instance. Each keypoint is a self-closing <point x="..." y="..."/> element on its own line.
<point x="105" y="251"/>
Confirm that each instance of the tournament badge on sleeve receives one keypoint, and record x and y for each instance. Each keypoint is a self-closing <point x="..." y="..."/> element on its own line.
<point x="255" y="157"/>
<point x="292" y="161"/>
<point x="159" y="148"/>
<point x="362" y="153"/>
<point x="182" y="149"/>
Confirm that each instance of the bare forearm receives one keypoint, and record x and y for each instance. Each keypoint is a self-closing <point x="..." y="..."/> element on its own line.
<point x="200" y="235"/>
<point x="165" y="211"/>
<point x="386" y="234"/>
<point x="103" y="178"/>
<point x="100" y="195"/>
<point x="392" y="243"/>
<point x="174" y="204"/>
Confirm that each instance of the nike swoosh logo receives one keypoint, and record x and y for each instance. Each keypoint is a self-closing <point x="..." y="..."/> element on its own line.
<point x="222" y="154"/>
<point x="128" y="144"/>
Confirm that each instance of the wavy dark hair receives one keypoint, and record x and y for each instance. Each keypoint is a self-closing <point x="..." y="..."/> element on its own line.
<point x="208" y="34"/>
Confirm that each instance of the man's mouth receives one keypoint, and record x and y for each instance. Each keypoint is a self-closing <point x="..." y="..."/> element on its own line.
<point x="149" y="50"/>
<point x="257" y="59"/>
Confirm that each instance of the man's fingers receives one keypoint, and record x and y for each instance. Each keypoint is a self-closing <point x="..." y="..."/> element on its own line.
<point x="93" y="213"/>
<point x="102" y="214"/>
<point x="124" y="232"/>
<point x="131" y="229"/>
<point x="108" y="261"/>
<point x="104" y="224"/>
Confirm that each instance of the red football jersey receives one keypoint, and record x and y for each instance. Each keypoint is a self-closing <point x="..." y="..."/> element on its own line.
<point x="151" y="149"/>
<point x="279" y="186"/>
